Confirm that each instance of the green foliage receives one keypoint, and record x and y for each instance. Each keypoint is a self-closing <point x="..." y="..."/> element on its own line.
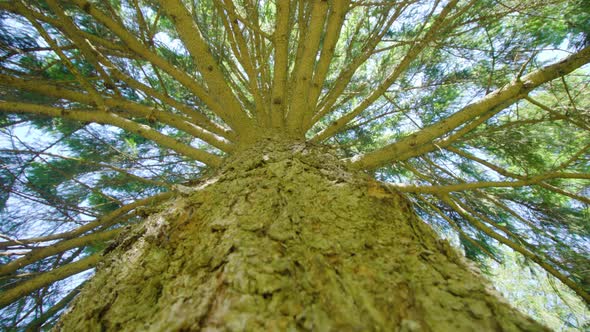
<point x="545" y="298"/>
<point x="102" y="204"/>
<point x="57" y="173"/>
<point x="46" y="177"/>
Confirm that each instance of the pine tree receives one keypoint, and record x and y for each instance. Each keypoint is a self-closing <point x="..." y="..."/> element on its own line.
<point x="284" y="165"/>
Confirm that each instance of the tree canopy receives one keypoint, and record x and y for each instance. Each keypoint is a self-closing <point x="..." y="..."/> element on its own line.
<point x="477" y="109"/>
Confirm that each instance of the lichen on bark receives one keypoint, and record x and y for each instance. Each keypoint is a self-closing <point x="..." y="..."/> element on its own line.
<point x="284" y="237"/>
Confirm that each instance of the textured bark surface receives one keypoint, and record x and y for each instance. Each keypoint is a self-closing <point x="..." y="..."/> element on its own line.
<point x="285" y="238"/>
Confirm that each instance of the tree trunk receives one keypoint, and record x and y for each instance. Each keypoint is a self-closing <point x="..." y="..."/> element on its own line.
<point x="286" y="238"/>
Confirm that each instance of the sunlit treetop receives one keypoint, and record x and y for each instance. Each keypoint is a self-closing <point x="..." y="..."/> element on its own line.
<point x="478" y="110"/>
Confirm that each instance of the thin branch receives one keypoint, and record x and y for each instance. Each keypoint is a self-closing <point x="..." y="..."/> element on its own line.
<point x="516" y="247"/>
<point x="83" y="44"/>
<point x="36" y="324"/>
<point x="240" y="48"/>
<point x="66" y="61"/>
<point x="504" y="172"/>
<point x="326" y="104"/>
<point x="458" y="229"/>
<point x="91" y="163"/>
<point x="401" y="67"/>
<point x="556" y="114"/>
<point x="105" y="221"/>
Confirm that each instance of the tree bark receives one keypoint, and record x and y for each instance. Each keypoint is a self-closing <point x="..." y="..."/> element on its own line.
<point x="286" y="238"/>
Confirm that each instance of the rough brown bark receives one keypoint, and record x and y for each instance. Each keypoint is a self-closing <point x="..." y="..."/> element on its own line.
<point x="286" y="238"/>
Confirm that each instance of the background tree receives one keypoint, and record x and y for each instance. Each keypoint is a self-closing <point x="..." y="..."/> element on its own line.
<point x="476" y="110"/>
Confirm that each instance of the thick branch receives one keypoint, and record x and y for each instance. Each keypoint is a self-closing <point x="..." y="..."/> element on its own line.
<point x="309" y="39"/>
<point x="24" y="288"/>
<point x="40" y="253"/>
<point x="504" y="96"/>
<point x="197" y="117"/>
<point x="487" y="184"/>
<point x="117" y="121"/>
<point x="134" y="108"/>
<point x="281" y="64"/>
<point x="86" y="44"/>
<point x="207" y="65"/>
<point x="333" y="28"/>
<point x="137" y="47"/>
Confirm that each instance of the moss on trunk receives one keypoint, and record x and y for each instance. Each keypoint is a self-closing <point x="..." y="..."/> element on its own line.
<point x="286" y="238"/>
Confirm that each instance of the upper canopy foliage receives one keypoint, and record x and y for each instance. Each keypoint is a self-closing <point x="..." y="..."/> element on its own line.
<point x="477" y="109"/>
